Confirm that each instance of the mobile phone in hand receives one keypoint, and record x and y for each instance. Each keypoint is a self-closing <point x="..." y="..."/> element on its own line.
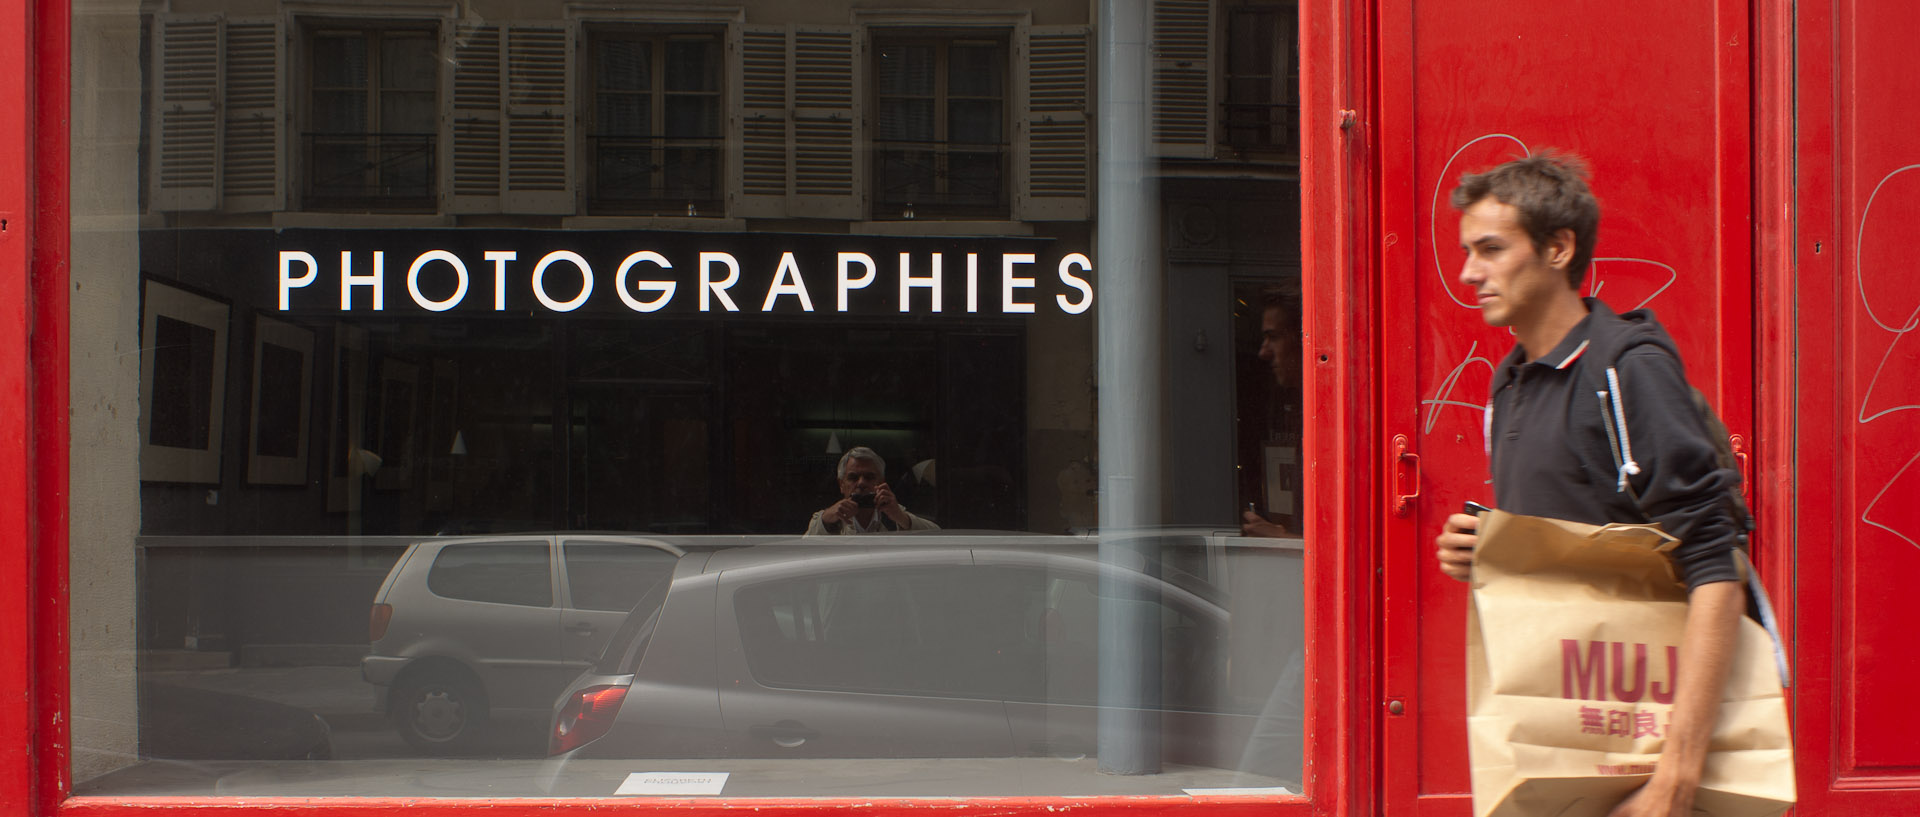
<point x="1472" y="508"/>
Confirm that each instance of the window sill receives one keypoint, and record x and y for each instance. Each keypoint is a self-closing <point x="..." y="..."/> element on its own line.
<point x="695" y="224"/>
<point x="941" y="227"/>
<point x="361" y="221"/>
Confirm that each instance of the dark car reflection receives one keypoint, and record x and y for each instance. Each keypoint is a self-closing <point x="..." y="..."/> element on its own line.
<point x="905" y="650"/>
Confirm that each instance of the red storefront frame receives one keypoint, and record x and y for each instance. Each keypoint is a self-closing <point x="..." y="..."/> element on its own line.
<point x="1798" y="97"/>
<point x="34" y="178"/>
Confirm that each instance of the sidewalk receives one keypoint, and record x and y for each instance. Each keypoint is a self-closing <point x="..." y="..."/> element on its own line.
<point x="335" y="693"/>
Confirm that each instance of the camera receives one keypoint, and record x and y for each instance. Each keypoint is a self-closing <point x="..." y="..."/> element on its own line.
<point x="864" y="500"/>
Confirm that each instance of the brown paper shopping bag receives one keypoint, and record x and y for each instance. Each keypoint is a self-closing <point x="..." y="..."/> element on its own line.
<point x="1572" y="639"/>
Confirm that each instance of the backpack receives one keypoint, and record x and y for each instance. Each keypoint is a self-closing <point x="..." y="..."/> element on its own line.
<point x="1759" y="606"/>
<point x="1716" y="433"/>
<point x="1723" y="453"/>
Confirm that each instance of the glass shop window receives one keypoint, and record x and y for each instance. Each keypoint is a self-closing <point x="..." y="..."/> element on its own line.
<point x="538" y="398"/>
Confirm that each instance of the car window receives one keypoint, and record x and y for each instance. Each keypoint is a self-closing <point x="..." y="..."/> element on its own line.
<point x="613" y="576"/>
<point x="518" y="573"/>
<point x="951" y="630"/>
<point x="965" y="631"/>
<point x="1193" y="646"/>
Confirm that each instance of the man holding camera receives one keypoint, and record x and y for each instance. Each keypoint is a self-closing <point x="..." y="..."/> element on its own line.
<point x="866" y="504"/>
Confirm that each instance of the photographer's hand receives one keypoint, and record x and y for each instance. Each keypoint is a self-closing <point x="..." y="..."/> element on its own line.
<point x="884" y="502"/>
<point x="839" y="513"/>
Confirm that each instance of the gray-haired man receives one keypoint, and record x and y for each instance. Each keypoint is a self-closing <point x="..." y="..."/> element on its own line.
<point x="866" y="504"/>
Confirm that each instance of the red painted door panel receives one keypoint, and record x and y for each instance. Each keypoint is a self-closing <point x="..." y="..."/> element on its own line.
<point x="1654" y="95"/>
<point x="1880" y="187"/>
<point x="1857" y="338"/>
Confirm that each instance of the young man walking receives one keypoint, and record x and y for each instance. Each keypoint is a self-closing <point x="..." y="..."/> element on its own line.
<point x="1633" y="450"/>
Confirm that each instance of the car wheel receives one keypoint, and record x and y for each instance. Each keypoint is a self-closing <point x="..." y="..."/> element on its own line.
<point x="439" y="712"/>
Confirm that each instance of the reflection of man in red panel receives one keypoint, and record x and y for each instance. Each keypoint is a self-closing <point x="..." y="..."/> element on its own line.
<point x="1634" y="450"/>
<point x="867" y="504"/>
<point x="1280" y="350"/>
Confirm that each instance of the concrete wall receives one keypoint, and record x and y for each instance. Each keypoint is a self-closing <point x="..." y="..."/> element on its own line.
<point x="105" y="387"/>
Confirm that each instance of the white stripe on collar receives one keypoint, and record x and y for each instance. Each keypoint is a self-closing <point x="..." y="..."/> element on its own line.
<point x="1574" y="355"/>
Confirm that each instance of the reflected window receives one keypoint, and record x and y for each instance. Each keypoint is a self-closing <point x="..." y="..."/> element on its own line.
<point x="1261" y="108"/>
<point x="940" y="125"/>
<point x="500" y="574"/>
<point x="613" y="577"/>
<point x="654" y="141"/>
<point x="372" y="117"/>
<point x="966" y="631"/>
<point x="955" y="631"/>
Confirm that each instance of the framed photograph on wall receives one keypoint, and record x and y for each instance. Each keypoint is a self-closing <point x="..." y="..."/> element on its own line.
<point x="282" y="402"/>
<point x="183" y="383"/>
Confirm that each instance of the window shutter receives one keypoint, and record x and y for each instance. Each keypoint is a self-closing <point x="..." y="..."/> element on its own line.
<point x="1182" y="78"/>
<point x="761" y="159"/>
<point x="253" y="170"/>
<point x="186" y="125"/>
<point x="1057" y="158"/>
<point x="828" y="173"/>
<point x="539" y="126"/>
<point x="471" y="161"/>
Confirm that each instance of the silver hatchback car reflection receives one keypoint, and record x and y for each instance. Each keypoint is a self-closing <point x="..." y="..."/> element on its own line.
<point x="918" y="649"/>
<point x="470" y="631"/>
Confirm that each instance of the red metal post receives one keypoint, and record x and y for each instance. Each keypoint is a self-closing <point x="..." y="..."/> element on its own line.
<point x="50" y="64"/>
<point x="1340" y="445"/>
<point x="19" y="224"/>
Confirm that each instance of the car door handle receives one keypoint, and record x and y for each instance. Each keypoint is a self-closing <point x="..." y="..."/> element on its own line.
<point x="785" y="734"/>
<point x="580" y="628"/>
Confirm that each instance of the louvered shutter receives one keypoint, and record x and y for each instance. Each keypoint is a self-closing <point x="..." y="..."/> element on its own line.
<point x="252" y="168"/>
<point x="1058" y="149"/>
<point x="471" y="161"/>
<point x="761" y="146"/>
<point x="539" y="128"/>
<point x="828" y="171"/>
<point x="1182" y="78"/>
<point x="186" y="117"/>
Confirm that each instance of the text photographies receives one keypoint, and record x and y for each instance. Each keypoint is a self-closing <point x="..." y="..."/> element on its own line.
<point x="439" y="280"/>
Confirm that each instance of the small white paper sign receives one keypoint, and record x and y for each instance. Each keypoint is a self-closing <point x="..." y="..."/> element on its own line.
<point x="1242" y="791"/>
<point x="673" y="783"/>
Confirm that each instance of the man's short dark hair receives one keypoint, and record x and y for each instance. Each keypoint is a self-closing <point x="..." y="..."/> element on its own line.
<point x="1549" y="190"/>
<point x="1276" y="297"/>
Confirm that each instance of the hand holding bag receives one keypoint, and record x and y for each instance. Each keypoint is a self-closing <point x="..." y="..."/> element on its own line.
<point x="1573" y="639"/>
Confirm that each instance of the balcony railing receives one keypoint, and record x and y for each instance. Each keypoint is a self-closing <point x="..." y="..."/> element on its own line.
<point x="655" y="175"/>
<point x="375" y="171"/>
<point x="1261" y="127"/>
<point x="916" y="178"/>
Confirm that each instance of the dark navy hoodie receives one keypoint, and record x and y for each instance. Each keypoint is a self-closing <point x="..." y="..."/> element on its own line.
<point x="1553" y="424"/>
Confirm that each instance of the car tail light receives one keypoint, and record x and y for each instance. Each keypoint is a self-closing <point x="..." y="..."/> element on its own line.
<point x="587" y="715"/>
<point x="378" y="620"/>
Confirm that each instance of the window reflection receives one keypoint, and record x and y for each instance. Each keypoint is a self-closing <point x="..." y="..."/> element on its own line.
<point x="370" y="137"/>
<point x="511" y="488"/>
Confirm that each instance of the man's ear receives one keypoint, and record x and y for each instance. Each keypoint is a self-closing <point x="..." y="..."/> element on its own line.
<point x="1559" y="250"/>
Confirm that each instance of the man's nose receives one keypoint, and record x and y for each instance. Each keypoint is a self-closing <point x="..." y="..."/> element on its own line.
<point x="1470" y="273"/>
